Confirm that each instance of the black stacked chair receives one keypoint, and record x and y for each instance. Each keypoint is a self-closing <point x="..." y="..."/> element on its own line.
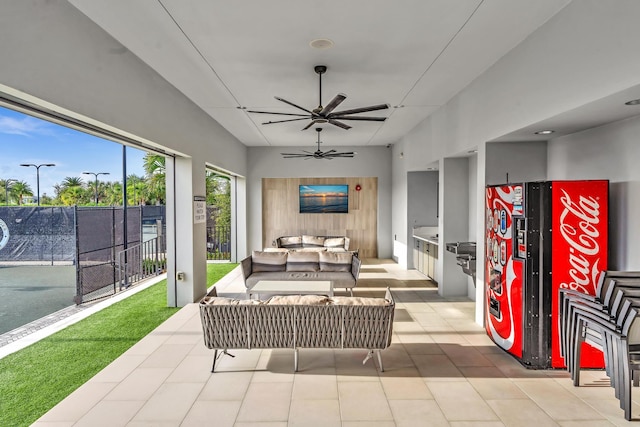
<point x="606" y="321"/>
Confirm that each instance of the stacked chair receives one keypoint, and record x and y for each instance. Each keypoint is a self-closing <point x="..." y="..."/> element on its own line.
<point x="609" y="321"/>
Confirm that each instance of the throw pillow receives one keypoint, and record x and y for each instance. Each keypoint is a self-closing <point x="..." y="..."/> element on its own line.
<point x="312" y="241"/>
<point x="334" y="242"/>
<point x="290" y="242"/>
<point x="298" y="300"/>
<point x="268" y="261"/>
<point x="335" y="261"/>
<point x="303" y="261"/>
<point x="359" y="301"/>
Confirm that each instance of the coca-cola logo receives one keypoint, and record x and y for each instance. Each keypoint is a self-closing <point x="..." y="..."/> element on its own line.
<point x="578" y="227"/>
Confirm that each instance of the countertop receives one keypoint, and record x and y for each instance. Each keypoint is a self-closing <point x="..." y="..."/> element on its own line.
<point x="426" y="234"/>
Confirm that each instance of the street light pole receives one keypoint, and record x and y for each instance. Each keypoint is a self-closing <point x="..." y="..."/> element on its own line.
<point x="37" y="175"/>
<point x="96" y="175"/>
<point x="6" y="189"/>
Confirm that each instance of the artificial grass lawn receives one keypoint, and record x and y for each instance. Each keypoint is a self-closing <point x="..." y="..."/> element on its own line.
<point x="34" y="379"/>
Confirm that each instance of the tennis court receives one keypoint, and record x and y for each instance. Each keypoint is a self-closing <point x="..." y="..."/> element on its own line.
<point x="30" y="292"/>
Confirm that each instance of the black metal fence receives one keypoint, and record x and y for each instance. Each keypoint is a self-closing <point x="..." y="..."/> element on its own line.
<point x="99" y="238"/>
<point x="218" y="242"/>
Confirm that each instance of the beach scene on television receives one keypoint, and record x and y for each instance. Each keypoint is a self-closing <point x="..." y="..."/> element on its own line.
<point x="324" y="199"/>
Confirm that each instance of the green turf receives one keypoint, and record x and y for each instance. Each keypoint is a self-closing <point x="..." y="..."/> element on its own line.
<point x="35" y="379"/>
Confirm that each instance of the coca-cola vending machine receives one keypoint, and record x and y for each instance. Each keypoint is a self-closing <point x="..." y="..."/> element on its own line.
<point x="540" y="237"/>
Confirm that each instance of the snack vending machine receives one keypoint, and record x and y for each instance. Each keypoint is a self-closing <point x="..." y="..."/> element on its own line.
<point x="540" y="237"/>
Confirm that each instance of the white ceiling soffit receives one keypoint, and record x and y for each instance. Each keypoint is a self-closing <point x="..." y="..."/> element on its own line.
<point x="229" y="54"/>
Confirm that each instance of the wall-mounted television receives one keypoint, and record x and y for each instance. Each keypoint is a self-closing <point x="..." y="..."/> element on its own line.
<point x="324" y="199"/>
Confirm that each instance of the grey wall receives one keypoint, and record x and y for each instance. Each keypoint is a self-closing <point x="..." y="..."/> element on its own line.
<point x="608" y="152"/>
<point x="520" y="161"/>
<point x="268" y="163"/>
<point x="422" y="204"/>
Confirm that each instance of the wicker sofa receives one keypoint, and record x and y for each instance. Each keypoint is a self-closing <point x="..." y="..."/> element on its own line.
<point x="342" y="268"/>
<point x="297" y="321"/>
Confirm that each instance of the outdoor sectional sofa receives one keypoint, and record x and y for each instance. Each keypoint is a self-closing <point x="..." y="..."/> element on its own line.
<point x="342" y="268"/>
<point x="297" y="321"/>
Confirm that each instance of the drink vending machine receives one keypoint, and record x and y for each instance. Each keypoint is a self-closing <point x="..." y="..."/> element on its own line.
<point x="540" y="237"/>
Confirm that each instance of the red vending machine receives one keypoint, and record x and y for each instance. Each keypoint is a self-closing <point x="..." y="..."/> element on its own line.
<point x="540" y="237"/>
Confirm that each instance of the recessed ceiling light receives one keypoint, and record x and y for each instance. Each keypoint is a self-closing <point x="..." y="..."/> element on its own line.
<point x="321" y="44"/>
<point x="399" y="106"/>
<point x="633" y="102"/>
<point x="544" y="132"/>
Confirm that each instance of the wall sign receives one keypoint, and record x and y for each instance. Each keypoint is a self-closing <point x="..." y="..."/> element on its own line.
<point x="199" y="209"/>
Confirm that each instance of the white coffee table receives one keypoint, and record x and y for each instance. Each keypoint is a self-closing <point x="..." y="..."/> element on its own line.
<point x="291" y="287"/>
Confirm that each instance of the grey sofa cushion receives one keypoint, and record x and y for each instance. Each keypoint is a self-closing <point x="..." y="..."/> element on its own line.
<point x="303" y="261"/>
<point x="268" y="261"/>
<point x="335" y="261"/>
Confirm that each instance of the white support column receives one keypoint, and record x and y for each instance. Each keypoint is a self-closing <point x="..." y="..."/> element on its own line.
<point x="187" y="263"/>
<point x="454" y="209"/>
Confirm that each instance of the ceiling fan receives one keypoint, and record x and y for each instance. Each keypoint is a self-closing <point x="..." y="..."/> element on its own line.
<point x="328" y="155"/>
<point x="326" y="114"/>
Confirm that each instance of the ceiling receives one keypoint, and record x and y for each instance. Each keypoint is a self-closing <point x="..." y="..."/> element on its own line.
<point x="414" y="55"/>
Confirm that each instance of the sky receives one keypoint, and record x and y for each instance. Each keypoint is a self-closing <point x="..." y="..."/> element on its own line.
<point x="26" y="139"/>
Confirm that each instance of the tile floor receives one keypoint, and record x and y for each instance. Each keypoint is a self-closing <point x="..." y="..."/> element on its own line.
<point x="440" y="370"/>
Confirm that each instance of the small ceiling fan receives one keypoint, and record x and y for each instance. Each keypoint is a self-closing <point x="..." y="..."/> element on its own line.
<point x="328" y="155"/>
<point x="326" y="114"/>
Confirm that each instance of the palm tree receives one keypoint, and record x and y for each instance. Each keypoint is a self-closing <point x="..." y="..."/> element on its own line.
<point x="5" y="186"/>
<point x="72" y="181"/>
<point x="154" y="166"/>
<point x="19" y="189"/>
<point x="72" y="191"/>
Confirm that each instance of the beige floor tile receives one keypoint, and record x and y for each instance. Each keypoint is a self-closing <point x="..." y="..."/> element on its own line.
<point x="476" y="424"/>
<point x="266" y="402"/>
<point x="405" y="388"/>
<point x="166" y="356"/>
<point x="567" y="409"/>
<point x="119" y="369"/>
<point x="315" y="413"/>
<point x="520" y="413"/>
<point x="219" y="414"/>
<point x="368" y="424"/>
<point x="465" y="355"/>
<point x="583" y="423"/>
<point x="261" y="424"/>
<point x="436" y="367"/>
<point x="318" y="387"/>
<point x="140" y="385"/>
<point x="147" y="345"/>
<point x="409" y="413"/>
<point x="242" y="360"/>
<point x="170" y="402"/>
<point x="496" y="388"/>
<point x="459" y="401"/>
<point x="192" y="369"/>
<point x="111" y="413"/>
<point x="363" y="401"/>
<point x="226" y="386"/>
<point x="79" y="402"/>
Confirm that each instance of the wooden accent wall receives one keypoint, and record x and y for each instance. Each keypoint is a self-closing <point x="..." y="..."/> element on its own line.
<point x="281" y="217"/>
